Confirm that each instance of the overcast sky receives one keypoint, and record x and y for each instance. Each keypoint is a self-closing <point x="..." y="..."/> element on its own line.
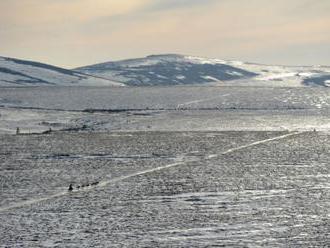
<point x="73" y="33"/>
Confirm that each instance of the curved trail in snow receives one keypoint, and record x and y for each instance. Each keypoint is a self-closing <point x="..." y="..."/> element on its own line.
<point x="160" y="168"/>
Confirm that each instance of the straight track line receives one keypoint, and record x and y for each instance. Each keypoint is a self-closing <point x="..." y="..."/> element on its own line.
<point x="256" y="143"/>
<point x="160" y="168"/>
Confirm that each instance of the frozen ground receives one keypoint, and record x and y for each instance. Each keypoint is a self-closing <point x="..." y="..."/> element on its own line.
<point x="164" y="108"/>
<point x="204" y="189"/>
<point x="184" y="97"/>
<point x="175" y="166"/>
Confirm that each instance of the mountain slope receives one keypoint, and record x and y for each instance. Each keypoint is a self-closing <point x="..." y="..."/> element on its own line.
<point x="291" y="76"/>
<point x="170" y="69"/>
<point x="15" y="72"/>
<point x="166" y="70"/>
<point x="173" y="69"/>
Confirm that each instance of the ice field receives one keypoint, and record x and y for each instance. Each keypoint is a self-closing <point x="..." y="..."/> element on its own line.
<point x="164" y="108"/>
<point x="166" y="167"/>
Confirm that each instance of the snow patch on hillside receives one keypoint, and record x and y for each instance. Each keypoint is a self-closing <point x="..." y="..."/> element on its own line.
<point x="14" y="72"/>
<point x="174" y="69"/>
<point x="170" y="69"/>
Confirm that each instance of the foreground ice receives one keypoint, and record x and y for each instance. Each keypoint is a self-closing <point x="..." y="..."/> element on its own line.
<point x="255" y="189"/>
<point x="166" y="167"/>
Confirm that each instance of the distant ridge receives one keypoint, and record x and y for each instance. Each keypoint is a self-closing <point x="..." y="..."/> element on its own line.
<point x="176" y="69"/>
<point x="162" y="70"/>
<point x="166" y="69"/>
<point x="16" y="72"/>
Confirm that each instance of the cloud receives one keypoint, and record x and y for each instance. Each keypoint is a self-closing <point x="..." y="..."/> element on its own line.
<point x="29" y="12"/>
<point x="78" y="32"/>
<point x="161" y="5"/>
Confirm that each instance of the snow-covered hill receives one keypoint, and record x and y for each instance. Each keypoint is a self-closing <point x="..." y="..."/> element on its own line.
<point x="173" y="69"/>
<point x="167" y="70"/>
<point x="291" y="76"/>
<point x="14" y="72"/>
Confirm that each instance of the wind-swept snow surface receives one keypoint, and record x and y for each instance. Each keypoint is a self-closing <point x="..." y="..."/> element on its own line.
<point x="180" y="166"/>
<point x="232" y="189"/>
<point x="14" y="72"/>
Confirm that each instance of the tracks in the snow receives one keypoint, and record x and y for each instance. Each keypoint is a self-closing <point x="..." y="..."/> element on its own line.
<point x="160" y="168"/>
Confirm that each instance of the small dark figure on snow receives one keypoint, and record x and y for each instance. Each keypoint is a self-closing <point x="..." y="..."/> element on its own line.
<point x="70" y="187"/>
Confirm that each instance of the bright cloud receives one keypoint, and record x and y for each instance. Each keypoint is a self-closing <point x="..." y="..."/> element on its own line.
<point x="79" y="32"/>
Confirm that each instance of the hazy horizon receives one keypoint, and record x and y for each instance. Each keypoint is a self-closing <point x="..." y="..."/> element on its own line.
<point x="75" y="33"/>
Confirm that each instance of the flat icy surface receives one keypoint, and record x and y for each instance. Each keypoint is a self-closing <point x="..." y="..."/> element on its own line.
<point x="164" y="108"/>
<point x="175" y="166"/>
<point x="165" y="189"/>
<point x="81" y="98"/>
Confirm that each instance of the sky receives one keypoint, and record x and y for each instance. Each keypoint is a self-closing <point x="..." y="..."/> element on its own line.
<point x="73" y="33"/>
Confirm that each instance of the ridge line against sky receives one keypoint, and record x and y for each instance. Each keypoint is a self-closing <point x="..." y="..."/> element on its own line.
<point x="73" y="33"/>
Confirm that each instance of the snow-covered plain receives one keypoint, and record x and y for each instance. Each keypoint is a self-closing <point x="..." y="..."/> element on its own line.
<point x="165" y="108"/>
<point x="204" y="189"/>
<point x="170" y="166"/>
